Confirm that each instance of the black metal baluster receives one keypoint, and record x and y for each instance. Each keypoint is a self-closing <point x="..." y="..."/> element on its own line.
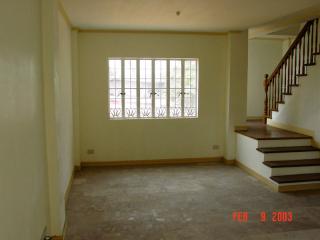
<point x="289" y="74"/>
<point x="277" y="88"/>
<point x="285" y="78"/>
<point x="317" y="33"/>
<point x="308" y="48"/>
<point x="270" y="99"/>
<point x="292" y="69"/>
<point x="281" y="84"/>
<point x="304" y="56"/>
<point x="295" y="65"/>
<point x="311" y="50"/>
<point x="273" y="94"/>
<point x="299" y="56"/>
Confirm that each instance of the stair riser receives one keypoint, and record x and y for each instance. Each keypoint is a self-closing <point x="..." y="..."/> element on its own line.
<point x="291" y="156"/>
<point x="284" y="143"/>
<point x="295" y="170"/>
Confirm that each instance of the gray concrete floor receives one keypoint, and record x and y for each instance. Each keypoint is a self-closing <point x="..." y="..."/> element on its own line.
<point x="183" y="203"/>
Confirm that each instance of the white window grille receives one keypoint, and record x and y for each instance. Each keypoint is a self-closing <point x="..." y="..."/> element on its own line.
<point x="152" y="88"/>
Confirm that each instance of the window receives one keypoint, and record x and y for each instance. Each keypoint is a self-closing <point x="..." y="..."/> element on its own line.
<point x="153" y="88"/>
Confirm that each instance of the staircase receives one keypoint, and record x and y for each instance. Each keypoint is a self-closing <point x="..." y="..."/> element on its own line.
<point x="294" y="64"/>
<point x="285" y="160"/>
<point x="295" y="166"/>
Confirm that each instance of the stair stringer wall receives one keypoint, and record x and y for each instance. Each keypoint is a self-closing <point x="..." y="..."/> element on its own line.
<point x="301" y="110"/>
<point x="248" y="156"/>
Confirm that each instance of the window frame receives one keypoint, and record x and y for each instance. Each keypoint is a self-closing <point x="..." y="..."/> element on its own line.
<point x="153" y="80"/>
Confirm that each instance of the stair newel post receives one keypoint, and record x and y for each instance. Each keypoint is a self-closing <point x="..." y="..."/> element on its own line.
<point x="266" y="86"/>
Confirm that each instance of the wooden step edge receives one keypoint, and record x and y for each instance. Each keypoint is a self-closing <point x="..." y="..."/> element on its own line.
<point x="294" y="85"/>
<point x="302" y="75"/>
<point x="280" y="138"/>
<point x="302" y="186"/>
<point x="292" y="163"/>
<point x="297" y="178"/>
<point x="287" y="149"/>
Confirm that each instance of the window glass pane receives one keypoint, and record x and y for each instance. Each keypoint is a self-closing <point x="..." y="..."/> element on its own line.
<point x="160" y="88"/>
<point x="130" y="88"/>
<point x="190" y="88"/>
<point x="145" y="88"/>
<point x="175" y="88"/>
<point x="115" y="102"/>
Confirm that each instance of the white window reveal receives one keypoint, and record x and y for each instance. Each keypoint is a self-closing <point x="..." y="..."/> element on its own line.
<point x="153" y="88"/>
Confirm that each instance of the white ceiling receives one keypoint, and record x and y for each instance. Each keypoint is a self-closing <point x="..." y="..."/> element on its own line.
<point x="196" y="15"/>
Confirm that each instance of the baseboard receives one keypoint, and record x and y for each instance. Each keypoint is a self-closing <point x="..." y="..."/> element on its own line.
<point x="77" y="168"/>
<point x="57" y="238"/>
<point x="295" y="129"/>
<point x="229" y="162"/>
<point x="291" y="128"/>
<point x="261" y="178"/>
<point x="206" y="160"/>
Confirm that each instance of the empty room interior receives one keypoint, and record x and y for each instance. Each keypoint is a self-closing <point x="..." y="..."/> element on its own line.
<point x="159" y="120"/>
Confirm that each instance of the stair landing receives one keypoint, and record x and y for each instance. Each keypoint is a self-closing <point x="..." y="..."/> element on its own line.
<point x="259" y="131"/>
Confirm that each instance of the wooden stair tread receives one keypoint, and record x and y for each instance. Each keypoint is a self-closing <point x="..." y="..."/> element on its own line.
<point x="296" y="178"/>
<point x="288" y="149"/>
<point x="302" y="75"/>
<point x="292" y="163"/>
<point x="260" y="131"/>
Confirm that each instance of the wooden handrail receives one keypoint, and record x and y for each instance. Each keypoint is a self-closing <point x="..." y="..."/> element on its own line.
<point x="289" y="51"/>
<point x="294" y="63"/>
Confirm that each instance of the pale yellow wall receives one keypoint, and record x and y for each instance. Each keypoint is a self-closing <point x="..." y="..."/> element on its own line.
<point x="151" y="139"/>
<point x="57" y="78"/>
<point x="64" y="103"/>
<point x="75" y="97"/>
<point x="236" y="90"/>
<point x="263" y="57"/>
<point x="286" y="43"/>
<point x="23" y="176"/>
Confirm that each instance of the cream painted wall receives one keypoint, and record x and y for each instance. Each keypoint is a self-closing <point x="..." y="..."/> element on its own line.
<point x="263" y="57"/>
<point x="151" y="139"/>
<point x="286" y="44"/>
<point x="57" y="78"/>
<point x="64" y="103"/>
<point x="75" y="97"/>
<point x="301" y="111"/>
<point x="23" y="175"/>
<point x="236" y="90"/>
